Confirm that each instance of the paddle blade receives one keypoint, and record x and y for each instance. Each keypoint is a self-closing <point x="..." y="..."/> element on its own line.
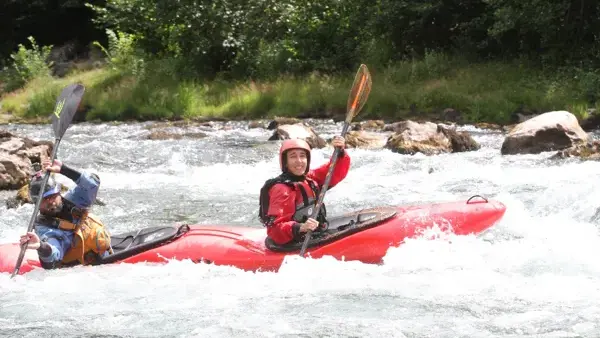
<point x="66" y="108"/>
<point x="361" y="88"/>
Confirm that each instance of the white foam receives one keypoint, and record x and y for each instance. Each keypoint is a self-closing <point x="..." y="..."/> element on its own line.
<point x="536" y="273"/>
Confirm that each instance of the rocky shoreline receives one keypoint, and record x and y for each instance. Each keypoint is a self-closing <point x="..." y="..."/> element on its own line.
<point x="558" y="131"/>
<point x="17" y="156"/>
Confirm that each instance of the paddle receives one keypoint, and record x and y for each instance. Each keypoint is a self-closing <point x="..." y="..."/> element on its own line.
<point x="66" y="107"/>
<point x="356" y="100"/>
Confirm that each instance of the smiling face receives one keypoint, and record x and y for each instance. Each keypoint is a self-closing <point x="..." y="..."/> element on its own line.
<point x="296" y="161"/>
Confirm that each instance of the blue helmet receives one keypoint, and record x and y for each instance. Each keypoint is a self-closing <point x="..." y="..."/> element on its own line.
<point x="51" y="188"/>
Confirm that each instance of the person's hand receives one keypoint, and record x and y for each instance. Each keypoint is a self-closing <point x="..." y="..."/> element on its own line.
<point x="338" y="142"/>
<point x="310" y="224"/>
<point x="32" y="239"/>
<point x="55" y="167"/>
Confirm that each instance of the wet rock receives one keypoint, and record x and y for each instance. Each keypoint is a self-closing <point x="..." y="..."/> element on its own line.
<point x="14" y="170"/>
<point x="371" y="125"/>
<point x="391" y="127"/>
<point x="399" y="126"/>
<point x="300" y="131"/>
<point x="587" y="151"/>
<point x="12" y="203"/>
<point x="459" y="141"/>
<point x="491" y="126"/>
<point x="365" y="140"/>
<point x="507" y="128"/>
<point x="428" y="138"/>
<point x="555" y="130"/>
<point x="23" y="194"/>
<point x="17" y="154"/>
<point x="410" y="137"/>
<point x="280" y="121"/>
<point x="181" y="124"/>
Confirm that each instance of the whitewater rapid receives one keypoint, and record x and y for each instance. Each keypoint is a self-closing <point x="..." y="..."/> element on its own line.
<point x="535" y="274"/>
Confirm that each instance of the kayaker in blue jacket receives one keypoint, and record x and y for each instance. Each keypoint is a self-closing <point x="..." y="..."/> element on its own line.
<point x="66" y="233"/>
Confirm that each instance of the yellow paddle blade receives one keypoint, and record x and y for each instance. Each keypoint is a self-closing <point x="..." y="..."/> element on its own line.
<point x="359" y="92"/>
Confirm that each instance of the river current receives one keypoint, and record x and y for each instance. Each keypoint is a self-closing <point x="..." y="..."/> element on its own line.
<point x="535" y="274"/>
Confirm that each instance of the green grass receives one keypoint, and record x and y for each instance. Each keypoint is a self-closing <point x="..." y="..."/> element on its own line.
<point x="484" y="92"/>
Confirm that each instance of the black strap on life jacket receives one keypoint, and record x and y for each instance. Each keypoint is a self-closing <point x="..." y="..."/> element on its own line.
<point x="264" y="198"/>
<point x="322" y="216"/>
<point x="283" y="179"/>
<point x="69" y="212"/>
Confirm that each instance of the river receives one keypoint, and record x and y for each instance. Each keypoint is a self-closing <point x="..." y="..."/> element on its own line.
<point x="536" y="274"/>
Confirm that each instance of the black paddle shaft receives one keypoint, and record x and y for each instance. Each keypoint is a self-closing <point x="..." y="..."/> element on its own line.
<point x="319" y="204"/>
<point x="35" y="211"/>
<point x="65" y="109"/>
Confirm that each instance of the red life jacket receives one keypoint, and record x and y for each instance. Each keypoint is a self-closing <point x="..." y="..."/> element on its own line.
<point x="303" y="211"/>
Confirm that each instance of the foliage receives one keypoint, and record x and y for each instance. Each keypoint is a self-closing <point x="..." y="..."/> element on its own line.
<point x="488" y="92"/>
<point x="32" y="63"/>
<point x="423" y="52"/>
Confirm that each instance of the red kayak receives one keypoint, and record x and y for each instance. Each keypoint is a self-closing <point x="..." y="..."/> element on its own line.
<point x="364" y="235"/>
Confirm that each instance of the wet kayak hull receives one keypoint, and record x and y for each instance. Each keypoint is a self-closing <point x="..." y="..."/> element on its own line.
<point x="364" y="235"/>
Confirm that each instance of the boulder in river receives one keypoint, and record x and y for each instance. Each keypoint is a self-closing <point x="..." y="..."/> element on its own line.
<point x="365" y="140"/>
<point x="280" y="121"/>
<point x="371" y="125"/>
<point x="17" y="154"/>
<point x="587" y="151"/>
<point x="428" y="138"/>
<point x="554" y="130"/>
<point x="490" y="126"/>
<point x="300" y="131"/>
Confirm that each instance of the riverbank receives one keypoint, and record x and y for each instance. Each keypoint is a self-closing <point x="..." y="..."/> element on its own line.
<point x="436" y="88"/>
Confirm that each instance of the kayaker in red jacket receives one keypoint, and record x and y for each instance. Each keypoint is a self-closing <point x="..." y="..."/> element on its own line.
<point x="287" y="201"/>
